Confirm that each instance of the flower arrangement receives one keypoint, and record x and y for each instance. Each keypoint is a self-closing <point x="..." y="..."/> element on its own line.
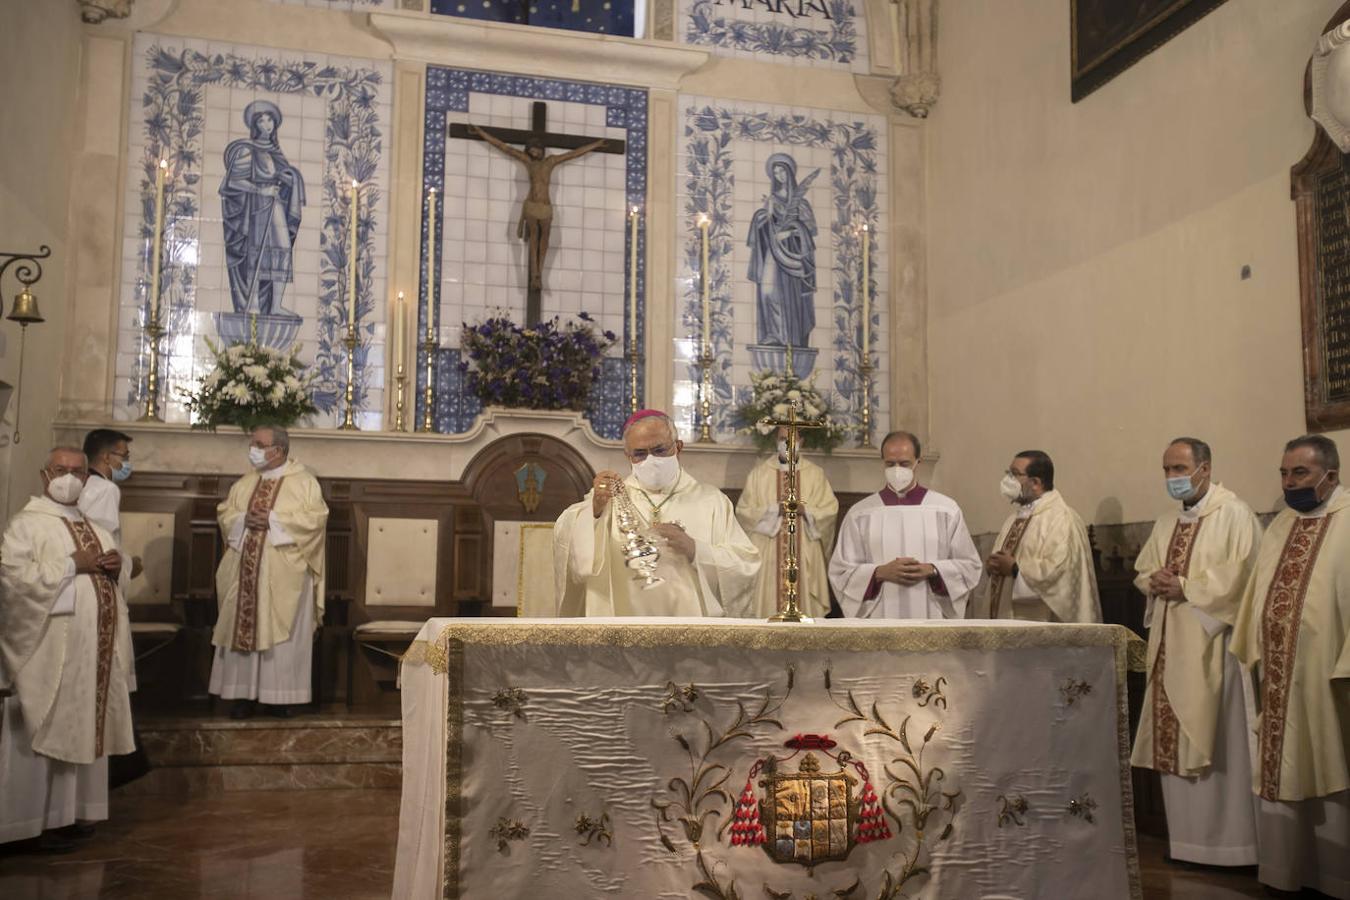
<point x="251" y="385"/>
<point x="551" y="365"/>
<point x="773" y="394"/>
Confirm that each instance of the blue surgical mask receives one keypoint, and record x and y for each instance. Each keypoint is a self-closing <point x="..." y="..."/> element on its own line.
<point x="1304" y="499"/>
<point x="1181" y="487"/>
<point x="122" y="472"/>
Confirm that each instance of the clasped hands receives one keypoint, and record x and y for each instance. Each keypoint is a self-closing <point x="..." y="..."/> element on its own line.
<point x="1165" y="584"/>
<point x="905" y="571"/>
<point x="257" y="521"/>
<point x="1000" y="563"/>
<point x="87" y="562"/>
<point x="674" y="535"/>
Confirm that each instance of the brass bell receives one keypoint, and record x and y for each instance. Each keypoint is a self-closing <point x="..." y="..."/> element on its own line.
<point x="25" y="310"/>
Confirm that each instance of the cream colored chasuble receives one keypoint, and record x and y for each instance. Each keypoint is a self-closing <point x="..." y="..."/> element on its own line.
<point x="1054" y="559"/>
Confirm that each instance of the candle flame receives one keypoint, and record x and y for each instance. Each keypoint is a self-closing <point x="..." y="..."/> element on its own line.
<point x="634" y="210"/>
<point x="864" y="228"/>
<point x="702" y="220"/>
<point x="355" y="184"/>
<point x="432" y="192"/>
<point x="400" y="296"/>
<point x="163" y="163"/>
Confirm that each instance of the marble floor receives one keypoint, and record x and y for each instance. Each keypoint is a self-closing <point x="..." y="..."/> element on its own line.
<point x="338" y="844"/>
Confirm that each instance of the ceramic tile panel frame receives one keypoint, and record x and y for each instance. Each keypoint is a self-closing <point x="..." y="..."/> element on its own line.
<point x="740" y="28"/>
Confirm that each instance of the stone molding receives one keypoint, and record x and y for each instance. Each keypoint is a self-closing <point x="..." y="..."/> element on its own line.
<point x="94" y="12"/>
<point x="915" y="89"/>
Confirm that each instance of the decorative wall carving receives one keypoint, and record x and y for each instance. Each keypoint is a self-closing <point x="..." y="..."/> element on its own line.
<point x="915" y="90"/>
<point x="96" y="11"/>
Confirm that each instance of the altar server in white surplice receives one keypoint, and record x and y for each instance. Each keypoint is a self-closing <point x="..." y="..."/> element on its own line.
<point x="269" y="585"/>
<point x="109" y="456"/>
<point x="1193" y="570"/>
<point x="1042" y="569"/>
<point x="904" y="552"/>
<point x="760" y="513"/>
<point x="707" y="564"/>
<point x="1294" y="628"/>
<point x="65" y="659"/>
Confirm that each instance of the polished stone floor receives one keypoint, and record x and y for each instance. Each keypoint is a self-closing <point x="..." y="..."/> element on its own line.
<point x="339" y="844"/>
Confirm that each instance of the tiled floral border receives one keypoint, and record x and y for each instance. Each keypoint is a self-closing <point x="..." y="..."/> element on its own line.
<point x="719" y="26"/>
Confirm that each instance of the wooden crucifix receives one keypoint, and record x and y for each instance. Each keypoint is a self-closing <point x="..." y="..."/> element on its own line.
<point x="536" y="213"/>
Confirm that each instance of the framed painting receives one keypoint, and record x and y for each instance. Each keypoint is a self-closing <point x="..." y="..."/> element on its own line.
<point x="1109" y="36"/>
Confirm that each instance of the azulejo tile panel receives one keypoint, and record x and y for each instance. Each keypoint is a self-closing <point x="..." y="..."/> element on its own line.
<point x="787" y="192"/>
<point x="820" y="33"/>
<point x="262" y="146"/>
<point x="476" y="267"/>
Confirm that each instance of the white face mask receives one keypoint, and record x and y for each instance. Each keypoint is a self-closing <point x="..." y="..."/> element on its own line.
<point x="657" y="473"/>
<point x="1010" y="488"/>
<point x="65" y="489"/>
<point x="257" y="457"/>
<point x="898" y="478"/>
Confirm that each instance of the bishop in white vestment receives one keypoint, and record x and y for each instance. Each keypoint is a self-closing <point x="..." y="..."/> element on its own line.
<point x="707" y="564"/>
<point x="1293" y="627"/>
<point x="1042" y="570"/>
<point x="1193" y="731"/>
<point x="759" y="512"/>
<point x="269" y="585"/>
<point x="904" y="552"/>
<point x="65" y="659"/>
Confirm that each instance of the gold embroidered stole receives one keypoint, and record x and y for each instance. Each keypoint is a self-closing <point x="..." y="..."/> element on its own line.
<point x="1280" y="621"/>
<point x="1010" y="544"/>
<point x="1166" y="726"/>
<point x="105" y="589"/>
<point x="264" y="497"/>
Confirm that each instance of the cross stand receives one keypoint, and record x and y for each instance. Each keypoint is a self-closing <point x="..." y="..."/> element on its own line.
<point x="537" y="133"/>
<point x="790" y="506"/>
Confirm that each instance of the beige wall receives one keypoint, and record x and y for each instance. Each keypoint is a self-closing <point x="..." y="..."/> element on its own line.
<point x="39" y="69"/>
<point x="1085" y="296"/>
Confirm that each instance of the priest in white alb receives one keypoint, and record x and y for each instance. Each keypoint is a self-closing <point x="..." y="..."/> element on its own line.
<point x="269" y="585"/>
<point x="904" y="552"/>
<point x="65" y="660"/>
<point x="1193" y="731"/>
<point x="706" y="564"/>
<point x="1293" y="628"/>
<point x="1042" y="570"/>
<point x="759" y="510"/>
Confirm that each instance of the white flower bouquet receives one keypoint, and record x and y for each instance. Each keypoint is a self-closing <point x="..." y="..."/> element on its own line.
<point x="773" y="395"/>
<point x="251" y="385"/>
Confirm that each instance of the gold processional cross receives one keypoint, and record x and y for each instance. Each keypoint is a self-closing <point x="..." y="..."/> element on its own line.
<point x="790" y="507"/>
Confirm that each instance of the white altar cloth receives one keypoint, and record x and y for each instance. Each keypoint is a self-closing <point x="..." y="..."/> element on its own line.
<point x="619" y="757"/>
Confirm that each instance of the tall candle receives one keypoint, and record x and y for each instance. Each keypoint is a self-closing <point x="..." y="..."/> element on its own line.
<point x="400" y="329"/>
<point x="866" y="293"/>
<point x="632" y="278"/>
<point x="351" y="257"/>
<point x="156" y="253"/>
<point x="704" y="283"/>
<point x="431" y="264"/>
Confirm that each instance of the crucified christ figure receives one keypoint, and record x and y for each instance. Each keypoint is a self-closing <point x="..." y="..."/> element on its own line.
<point x="536" y="213"/>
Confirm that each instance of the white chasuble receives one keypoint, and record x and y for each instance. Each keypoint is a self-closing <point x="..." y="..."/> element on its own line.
<point x="1211" y="548"/>
<point x="1294" y="626"/>
<point x="272" y="571"/>
<point x="923" y="525"/>
<point x="1054" y="559"/>
<point x="65" y="640"/>
<point x="759" y="514"/>
<point x="593" y="580"/>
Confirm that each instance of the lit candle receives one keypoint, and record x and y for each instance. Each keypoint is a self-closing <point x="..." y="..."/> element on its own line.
<point x="351" y="257"/>
<point x="156" y="252"/>
<point x="632" y="278"/>
<point x="866" y="293"/>
<point x="400" y="329"/>
<point x="704" y="283"/>
<point x="431" y="263"/>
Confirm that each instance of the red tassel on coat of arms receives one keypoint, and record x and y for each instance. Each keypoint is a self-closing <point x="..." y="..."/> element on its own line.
<point x="746" y="829"/>
<point x="871" y="820"/>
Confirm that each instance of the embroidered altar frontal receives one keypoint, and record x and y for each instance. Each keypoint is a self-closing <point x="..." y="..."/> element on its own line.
<point x="675" y="758"/>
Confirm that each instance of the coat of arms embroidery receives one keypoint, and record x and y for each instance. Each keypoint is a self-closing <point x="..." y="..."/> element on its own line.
<point x="812" y="815"/>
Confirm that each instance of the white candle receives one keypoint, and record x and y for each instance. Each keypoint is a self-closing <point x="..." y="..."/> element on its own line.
<point x="704" y="283"/>
<point x="156" y="252"/>
<point x="351" y="256"/>
<point x="400" y="329"/>
<point x="632" y="278"/>
<point x="866" y="293"/>
<point x="431" y="263"/>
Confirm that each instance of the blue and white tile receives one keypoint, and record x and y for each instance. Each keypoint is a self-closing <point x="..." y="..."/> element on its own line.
<point x="830" y="34"/>
<point x="189" y="97"/>
<point x="724" y="148"/>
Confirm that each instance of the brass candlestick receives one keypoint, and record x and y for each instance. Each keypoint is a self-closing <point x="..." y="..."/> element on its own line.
<point x="153" y="332"/>
<point x="348" y="418"/>
<point x="399" y="379"/>
<point x="429" y="347"/>
<point x="790" y="507"/>
<point x="865" y="427"/>
<point x="705" y="363"/>
<point x="633" y="360"/>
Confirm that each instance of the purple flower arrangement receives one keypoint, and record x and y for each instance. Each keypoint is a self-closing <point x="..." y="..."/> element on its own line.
<point x="551" y="365"/>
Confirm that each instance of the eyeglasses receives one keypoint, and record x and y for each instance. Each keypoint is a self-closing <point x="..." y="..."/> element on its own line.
<point x="1016" y="474"/>
<point x="124" y="455"/>
<point x="638" y="456"/>
<point x="261" y="446"/>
